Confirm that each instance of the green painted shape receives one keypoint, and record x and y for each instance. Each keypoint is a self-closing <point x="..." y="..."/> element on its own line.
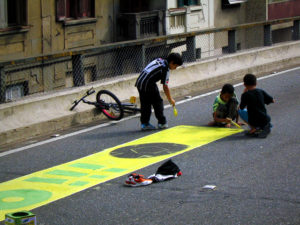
<point x="115" y="170"/>
<point x="28" y="196"/>
<point x="46" y="180"/>
<point x="98" y="176"/>
<point x="87" y="166"/>
<point x="67" y="173"/>
<point x="79" y="183"/>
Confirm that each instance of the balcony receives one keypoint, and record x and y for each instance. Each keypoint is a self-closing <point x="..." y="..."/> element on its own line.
<point x="132" y="26"/>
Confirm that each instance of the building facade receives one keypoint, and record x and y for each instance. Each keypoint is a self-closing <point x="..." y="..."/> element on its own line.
<point x="279" y="10"/>
<point x="31" y="28"/>
<point x="37" y="27"/>
<point x="34" y="27"/>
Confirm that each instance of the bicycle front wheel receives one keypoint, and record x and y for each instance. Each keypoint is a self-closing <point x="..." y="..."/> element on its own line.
<point x="110" y="105"/>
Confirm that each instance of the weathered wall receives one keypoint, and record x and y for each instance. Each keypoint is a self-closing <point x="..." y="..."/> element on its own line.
<point x="249" y="12"/>
<point x="38" y="115"/>
<point x="45" y="35"/>
<point x="256" y="10"/>
<point x="285" y="9"/>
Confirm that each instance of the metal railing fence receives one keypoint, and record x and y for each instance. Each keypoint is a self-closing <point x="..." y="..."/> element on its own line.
<point x="27" y="76"/>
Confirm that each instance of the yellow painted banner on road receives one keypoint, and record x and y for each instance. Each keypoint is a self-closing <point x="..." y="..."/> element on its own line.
<point x="43" y="187"/>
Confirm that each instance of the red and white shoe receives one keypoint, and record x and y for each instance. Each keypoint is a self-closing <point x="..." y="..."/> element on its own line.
<point x="135" y="180"/>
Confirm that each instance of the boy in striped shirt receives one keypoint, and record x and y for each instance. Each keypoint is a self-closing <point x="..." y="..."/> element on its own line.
<point x="157" y="70"/>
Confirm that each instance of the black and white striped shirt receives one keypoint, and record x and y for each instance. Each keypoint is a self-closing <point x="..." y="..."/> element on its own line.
<point x="156" y="70"/>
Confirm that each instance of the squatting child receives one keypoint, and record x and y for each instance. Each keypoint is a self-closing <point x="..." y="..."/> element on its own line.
<point x="225" y="107"/>
<point x="254" y="99"/>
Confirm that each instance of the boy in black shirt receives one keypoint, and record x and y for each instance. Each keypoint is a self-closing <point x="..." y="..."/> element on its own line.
<point x="157" y="70"/>
<point x="255" y="99"/>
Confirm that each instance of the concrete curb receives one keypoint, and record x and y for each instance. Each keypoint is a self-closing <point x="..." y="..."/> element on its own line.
<point x="45" y="114"/>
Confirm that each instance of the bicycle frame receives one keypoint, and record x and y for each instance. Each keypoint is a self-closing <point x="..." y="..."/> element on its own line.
<point x="89" y="92"/>
<point x="130" y="108"/>
<point x="104" y="106"/>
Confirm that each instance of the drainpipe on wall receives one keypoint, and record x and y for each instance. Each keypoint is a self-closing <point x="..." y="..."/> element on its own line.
<point x="3" y="14"/>
<point x="2" y="85"/>
<point x="267" y="8"/>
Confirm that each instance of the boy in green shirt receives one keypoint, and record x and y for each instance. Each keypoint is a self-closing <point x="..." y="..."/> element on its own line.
<point x="225" y="107"/>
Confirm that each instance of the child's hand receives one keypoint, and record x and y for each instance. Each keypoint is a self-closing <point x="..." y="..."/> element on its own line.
<point x="228" y="125"/>
<point x="172" y="102"/>
<point x="227" y="120"/>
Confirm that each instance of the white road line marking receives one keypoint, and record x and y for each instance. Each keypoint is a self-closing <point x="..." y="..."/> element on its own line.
<point x="130" y="117"/>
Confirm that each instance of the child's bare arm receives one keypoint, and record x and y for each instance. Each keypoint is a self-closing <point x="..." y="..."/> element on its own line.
<point x="237" y="117"/>
<point x="220" y="120"/>
<point x="168" y="94"/>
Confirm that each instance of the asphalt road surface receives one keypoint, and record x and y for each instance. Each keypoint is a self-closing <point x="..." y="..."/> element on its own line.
<point x="257" y="180"/>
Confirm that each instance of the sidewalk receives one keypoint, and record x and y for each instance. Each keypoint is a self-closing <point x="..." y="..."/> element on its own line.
<point x="40" y="115"/>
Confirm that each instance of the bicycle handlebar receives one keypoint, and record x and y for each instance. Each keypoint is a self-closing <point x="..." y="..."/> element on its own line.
<point x="91" y="91"/>
<point x="76" y="102"/>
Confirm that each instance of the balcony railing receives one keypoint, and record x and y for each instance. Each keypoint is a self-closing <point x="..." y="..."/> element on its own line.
<point x="134" y="26"/>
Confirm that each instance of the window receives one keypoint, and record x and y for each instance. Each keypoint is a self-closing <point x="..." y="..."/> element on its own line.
<point x="235" y="1"/>
<point x="182" y="3"/>
<point x="232" y="3"/>
<point x="74" y="9"/>
<point x="272" y="1"/>
<point x="177" y="21"/>
<point x="13" y="13"/>
<point x="134" y="6"/>
<point x="16" y="91"/>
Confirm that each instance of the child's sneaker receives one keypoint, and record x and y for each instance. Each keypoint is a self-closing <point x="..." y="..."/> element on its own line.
<point x="135" y="180"/>
<point x="148" y="126"/>
<point x="265" y="131"/>
<point x="162" y="126"/>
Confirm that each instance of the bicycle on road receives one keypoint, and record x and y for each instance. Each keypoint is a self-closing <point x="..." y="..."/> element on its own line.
<point x="109" y="104"/>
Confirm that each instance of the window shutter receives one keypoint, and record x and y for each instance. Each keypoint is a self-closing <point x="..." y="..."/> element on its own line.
<point x="3" y="13"/>
<point x="192" y="2"/>
<point x="180" y="3"/>
<point x="60" y="10"/>
<point x="91" y="8"/>
<point x="23" y="12"/>
<point x="84" y="8"/>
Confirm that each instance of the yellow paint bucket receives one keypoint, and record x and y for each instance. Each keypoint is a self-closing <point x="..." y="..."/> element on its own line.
<point x="132" y="100"/>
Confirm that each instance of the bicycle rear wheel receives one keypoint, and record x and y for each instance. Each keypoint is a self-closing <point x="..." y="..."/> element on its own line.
<point x="110" y="105"/>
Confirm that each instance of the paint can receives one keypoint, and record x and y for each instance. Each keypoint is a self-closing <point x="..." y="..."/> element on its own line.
<point x="20" y="218"/>
<point x="132" y="100"/>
